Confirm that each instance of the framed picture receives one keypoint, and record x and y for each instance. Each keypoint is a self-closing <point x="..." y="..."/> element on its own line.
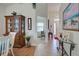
<point x="71" y="17"/>
<point x="29" y="23"/>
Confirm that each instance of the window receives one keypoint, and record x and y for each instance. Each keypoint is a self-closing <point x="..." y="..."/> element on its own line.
<point x="40" y="27"/>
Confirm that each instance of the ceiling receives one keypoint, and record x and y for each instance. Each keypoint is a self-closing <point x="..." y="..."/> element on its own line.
<point x="53" y="7"/>
<point x="6" y="4"/>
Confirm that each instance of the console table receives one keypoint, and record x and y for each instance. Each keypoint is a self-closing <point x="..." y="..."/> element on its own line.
<point x="72" y="46"/>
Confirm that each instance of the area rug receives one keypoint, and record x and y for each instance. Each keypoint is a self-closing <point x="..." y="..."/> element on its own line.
<point x="24" y="51"/>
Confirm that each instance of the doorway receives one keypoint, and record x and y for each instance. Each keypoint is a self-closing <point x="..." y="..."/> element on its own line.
<point x="40" y="29"/>
<point x="54" y="28"/>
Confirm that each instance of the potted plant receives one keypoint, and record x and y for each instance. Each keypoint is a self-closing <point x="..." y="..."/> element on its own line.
<point x="28" y="40"/>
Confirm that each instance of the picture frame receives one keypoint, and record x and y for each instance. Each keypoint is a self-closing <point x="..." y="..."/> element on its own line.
<point x="29" y="23"/>
<point x="71" y="17"/>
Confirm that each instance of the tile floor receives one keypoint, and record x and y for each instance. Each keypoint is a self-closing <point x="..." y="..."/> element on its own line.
<point x="47" y="49"/>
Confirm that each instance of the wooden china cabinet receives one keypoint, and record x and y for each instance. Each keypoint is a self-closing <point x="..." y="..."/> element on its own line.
<point x="16" y="23"/>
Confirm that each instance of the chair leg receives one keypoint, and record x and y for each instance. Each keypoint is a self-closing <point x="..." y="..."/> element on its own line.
<point x="12" y="52"/>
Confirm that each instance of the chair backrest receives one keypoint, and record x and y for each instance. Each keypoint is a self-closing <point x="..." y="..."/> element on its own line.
<point x="6" y="43"/>
<point x="12" y="38"/>
<point x="42" y="34"/>
<point x="4" y="46"/>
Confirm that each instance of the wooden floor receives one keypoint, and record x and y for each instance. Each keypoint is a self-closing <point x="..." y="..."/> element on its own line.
<point x="24" y="51"/>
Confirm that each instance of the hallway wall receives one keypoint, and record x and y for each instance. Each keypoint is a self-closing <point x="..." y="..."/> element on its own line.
<point x="75" y="34"/>
<point x="53" y="16"/>
<point x="51" y="19"/>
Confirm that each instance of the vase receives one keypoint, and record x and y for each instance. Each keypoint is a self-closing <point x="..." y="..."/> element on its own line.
<point x="28" y="44"/>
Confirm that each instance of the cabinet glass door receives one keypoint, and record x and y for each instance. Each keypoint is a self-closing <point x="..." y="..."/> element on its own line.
<point x="9" y="25"/>
<point x="16" y="23"/>
<point x="23" y="24"/>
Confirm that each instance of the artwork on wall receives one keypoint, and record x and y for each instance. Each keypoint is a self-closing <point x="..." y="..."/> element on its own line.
<point x="71" y="17"/>
<point x="29" y="23"/>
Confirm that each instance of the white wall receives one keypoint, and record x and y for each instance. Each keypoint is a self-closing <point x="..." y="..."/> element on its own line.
<point x="2" y="21"/>
<point x="41" y="9"/>
<point x="52" y="15"/>
<point x="27" y="10"/>
<point x="75" y="34"/>
<point x="21" y="9"/>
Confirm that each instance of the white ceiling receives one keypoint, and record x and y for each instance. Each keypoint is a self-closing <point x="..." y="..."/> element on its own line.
<point x="51" y="6"/>
<point x="54" y="7"/>
<point x="6" y="4"/>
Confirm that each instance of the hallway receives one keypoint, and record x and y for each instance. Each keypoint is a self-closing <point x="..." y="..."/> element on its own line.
<point x="47" y="49"/>
<point x="54" y="18"/>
